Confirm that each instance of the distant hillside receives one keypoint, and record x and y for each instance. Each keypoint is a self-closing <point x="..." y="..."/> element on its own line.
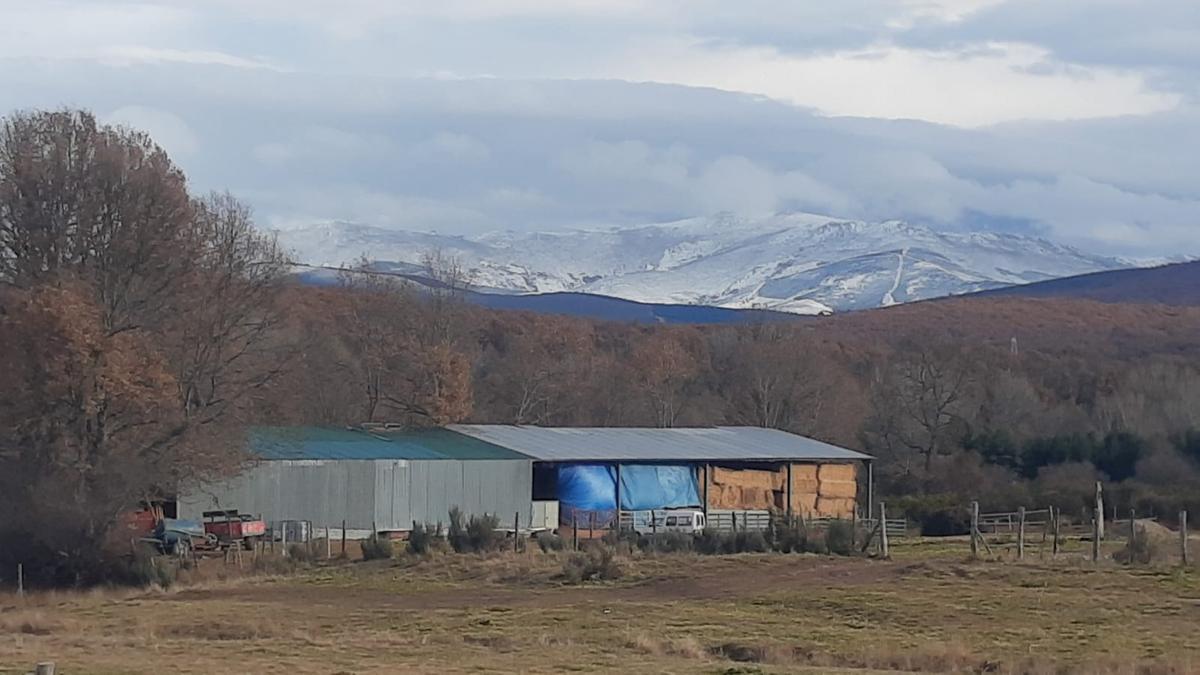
<point x="584" y="305"/>
<point x="1175" y="284"/>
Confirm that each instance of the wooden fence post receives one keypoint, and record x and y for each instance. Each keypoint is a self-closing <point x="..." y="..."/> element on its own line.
<point x="343" y="537"/>
<point x="883" y="536"/>
<point x="1021" y="533"/>
<point x="516" y="532"/>
<point x="1099" y="527"/>
<point x="853" y="528"/>
<point x="574" y="530"/>
<point x="20" y="580"/>
<point x="1132" y="536"/>
<point x="328" y="544"/>
<point x="44" y="668"/>
<point x="1096" y="520"/>
<point x="1183" y="537"/>
<point x="283" y="542"/>
<point x="974" y="530"/>
<point x="1056" y="515"/>
<point x="591" y="525"/>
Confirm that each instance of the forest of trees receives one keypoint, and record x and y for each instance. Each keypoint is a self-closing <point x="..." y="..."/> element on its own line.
<point x="143" y="328"/>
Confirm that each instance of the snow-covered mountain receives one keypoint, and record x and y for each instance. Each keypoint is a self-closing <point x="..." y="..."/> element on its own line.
<point x="792" y="262"/>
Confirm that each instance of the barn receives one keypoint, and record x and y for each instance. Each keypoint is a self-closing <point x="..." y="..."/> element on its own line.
<point x="595" y="469"/>
<point x="379" y="478"/>
<point x="385" y="478"/>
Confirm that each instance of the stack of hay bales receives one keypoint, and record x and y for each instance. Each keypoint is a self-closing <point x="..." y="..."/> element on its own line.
<point x="821" y="490"/>
<point x="744" y="489"/>
<point x="837" y="490"/>
<point x="805" y="488"/>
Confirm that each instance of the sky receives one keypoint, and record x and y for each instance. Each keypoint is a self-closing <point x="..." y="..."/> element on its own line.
<point x="1071" y="119"/>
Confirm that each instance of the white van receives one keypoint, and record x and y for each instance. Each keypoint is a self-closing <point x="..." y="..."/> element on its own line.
<point x="688" y="521"/>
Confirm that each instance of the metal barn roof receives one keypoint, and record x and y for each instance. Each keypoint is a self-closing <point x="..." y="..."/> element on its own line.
<point x="602" y="444"/>
<point x="319" y="443"/>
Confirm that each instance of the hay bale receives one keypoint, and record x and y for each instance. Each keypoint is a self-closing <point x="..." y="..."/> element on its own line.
<point x="806" y="486"/>
<point x="747" y="478"/>
<point x="804" y="503"/>
<point x="841" y="489"/>
<point x="834" y="507"/>
<point x="837" y="472"/>
<point x="804" y="472"/>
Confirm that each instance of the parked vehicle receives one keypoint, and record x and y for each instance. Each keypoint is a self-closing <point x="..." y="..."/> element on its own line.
<point x="229" y="527"/>
<point x="175" y="536"/>
<point x="688" y="521"/>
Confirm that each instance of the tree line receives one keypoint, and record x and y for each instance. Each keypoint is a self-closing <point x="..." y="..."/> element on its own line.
<point x="144" y="327"/>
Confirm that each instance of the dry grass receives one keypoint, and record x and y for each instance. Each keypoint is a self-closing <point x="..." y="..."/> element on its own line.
<point x="929" y="611"/>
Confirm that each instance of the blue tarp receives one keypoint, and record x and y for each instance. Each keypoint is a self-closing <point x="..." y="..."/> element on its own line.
<point x="592" y="488"/>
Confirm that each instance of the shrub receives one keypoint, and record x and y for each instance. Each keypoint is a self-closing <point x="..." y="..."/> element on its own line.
<point x="301" y="553"/>
<point x="549" y="541"/>
<point x="839" y="537"/>
<point x="147" y="569"/>
<point x="666" y="542"/>
<point x="456" y="534"/>
<point x="596" y="563"/>
<point x="376" y="547"/>
<point x="788" y="537"/>
<point x="420" y="539"/>
<point x="712" y="542"/>
<point x="481" y="533"/>
<point x="750" y="542"/>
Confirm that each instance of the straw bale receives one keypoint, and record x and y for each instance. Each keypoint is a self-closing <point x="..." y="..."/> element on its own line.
<point x="837" y="472"/>
<point x="842" y="489"/>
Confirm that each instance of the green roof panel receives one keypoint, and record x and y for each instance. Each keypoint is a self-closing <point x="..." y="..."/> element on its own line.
<point x="301" y="443"/>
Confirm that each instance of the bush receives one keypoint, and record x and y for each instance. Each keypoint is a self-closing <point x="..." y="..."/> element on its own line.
<point x="481" y="533"/>
<point x="376" y="547"/>
<point x="596" y="563"/>
<point x="712" y="542"/>
<point x="839" y="537"/>
<point x="420" y="539"/>
<point x="667" y="542"/>
<point x="301" y="553"/>
<point x="787" y="536"/>
<point x="750" y="542"/>
<point x="937" y="515"/>
<point x="456" y="534"/>
<point x="549" y="541"/>
<point x="147" y="569"/>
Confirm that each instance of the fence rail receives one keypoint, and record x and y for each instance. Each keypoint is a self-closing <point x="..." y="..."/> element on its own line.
<point x="896" y="527"/>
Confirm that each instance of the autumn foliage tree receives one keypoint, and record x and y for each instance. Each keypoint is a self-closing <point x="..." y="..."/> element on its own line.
<point x="135" y="320"/>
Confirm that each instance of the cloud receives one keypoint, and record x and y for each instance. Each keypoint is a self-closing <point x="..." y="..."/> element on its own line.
<point x="468" y="115"/>
<point x="167" y="129"/>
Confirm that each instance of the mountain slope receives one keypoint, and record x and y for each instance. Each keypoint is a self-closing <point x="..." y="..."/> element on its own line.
<point x="797" y="263"/>
<point x="1173" y="284"/>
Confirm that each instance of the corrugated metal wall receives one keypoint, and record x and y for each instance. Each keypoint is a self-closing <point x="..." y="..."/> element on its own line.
<point x="390" y="493"/>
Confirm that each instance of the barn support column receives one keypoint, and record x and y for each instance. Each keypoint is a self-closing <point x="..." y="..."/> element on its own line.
<point x="617" y="515"/>
<point x="870" y="488"/>
<point x="788" y="492"/>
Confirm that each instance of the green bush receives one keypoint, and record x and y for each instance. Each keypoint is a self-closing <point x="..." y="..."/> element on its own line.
<point x="482" y="534"/>
<point x="376" y="547"/>
<point x="301" y="553"/>
<point x="596" y="563"/>
<point x="456" y="534"/>
<point x="421" y="539"/>
<point x="147" y="569"/>
<point x="750" y="542"/>
<point x="712" y="542"/>
<point x="839" y="537"/>
<point x="549" y="541"/>
<point x="666" y="542"/>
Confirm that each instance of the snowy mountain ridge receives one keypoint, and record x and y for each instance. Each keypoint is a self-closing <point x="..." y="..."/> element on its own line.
<point x="794" y="262"/>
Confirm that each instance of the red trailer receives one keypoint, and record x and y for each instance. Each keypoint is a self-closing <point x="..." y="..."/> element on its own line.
<point x="229" y="526"/>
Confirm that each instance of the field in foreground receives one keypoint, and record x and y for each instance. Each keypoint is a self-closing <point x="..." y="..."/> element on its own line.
<point x="927" y="611"/>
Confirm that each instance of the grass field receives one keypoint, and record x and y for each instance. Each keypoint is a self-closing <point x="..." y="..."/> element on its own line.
<point x="927" y="610"/>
